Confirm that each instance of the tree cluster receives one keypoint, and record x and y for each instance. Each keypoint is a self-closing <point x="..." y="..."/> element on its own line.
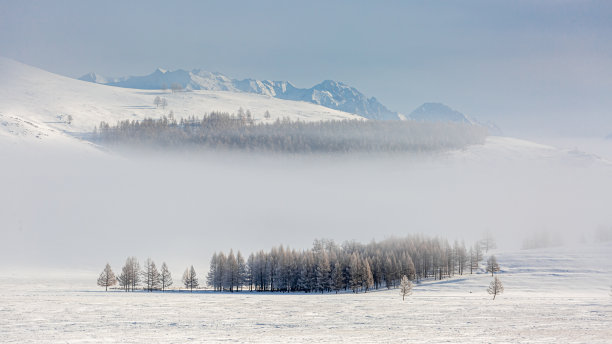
<point x="227" y="131"/>
<point x="163" y="102"/>
<point x="329" y="267"/>
<point x="132" y="276"/>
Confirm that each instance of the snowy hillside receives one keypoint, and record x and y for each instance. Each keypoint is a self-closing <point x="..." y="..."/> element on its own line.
<point x="57" y="105"/>
<point x="331" y="94"/>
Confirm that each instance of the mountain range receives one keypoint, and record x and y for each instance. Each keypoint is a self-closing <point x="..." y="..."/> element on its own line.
<point x="329" y="93"/>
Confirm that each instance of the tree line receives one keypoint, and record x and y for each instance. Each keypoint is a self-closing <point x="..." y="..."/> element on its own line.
<point x="229" y="131"/>
<point x="329" y="267"/>
<point x="326" y="267"/>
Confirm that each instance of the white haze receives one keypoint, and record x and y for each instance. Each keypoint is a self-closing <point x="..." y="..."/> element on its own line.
<point x="77" y="211"/>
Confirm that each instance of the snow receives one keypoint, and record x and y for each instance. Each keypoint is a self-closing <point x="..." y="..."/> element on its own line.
<point x="557" y="295"/>
<point x="33" y="98"/>
<point x="508" y="150"/>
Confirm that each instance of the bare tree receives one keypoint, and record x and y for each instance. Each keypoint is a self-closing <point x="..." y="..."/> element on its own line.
<point x="107" y="278"/>
<point x="176" y="87"/>
<point x="492" y="265"/>
<point x="130" y="274"/>
<point x="405" y="287"/>
<point x="496" y="287"/>
<point x="488" y="242"/>
<point x="163" y="103"/>
<point x="267" y="115"/>
<point x="189" y="278"/>
<point x="124" y="278"/>
<point x="475" y="257"/>
<point x="157" y="101"/>
<point x="150" y="275"/>
<point x="165" y="277"/>
<point x="134" y="268"/>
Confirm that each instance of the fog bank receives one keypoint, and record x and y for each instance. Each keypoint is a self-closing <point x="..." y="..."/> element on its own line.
<point x="61" y="210"/>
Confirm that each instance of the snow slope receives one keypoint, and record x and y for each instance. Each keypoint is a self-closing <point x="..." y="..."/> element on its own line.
<point x="551" y="296"/>
<point x="31" y="98"/>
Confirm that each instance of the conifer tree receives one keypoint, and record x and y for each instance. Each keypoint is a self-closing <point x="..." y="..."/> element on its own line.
<point x="107" y="278"/>
<point x="496" y="287"/>
<point x="165" y="277"/>
<point x="492" y="265"/>
<point x="405" y="287"/>
<point x="190" y="279"/>
<point x="150" y="275"/>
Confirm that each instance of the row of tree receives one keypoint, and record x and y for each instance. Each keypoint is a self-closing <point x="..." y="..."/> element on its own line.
<point x="326" y="267"/>
<point x="329" y="267"/>
<point x="228" y="131"/>
<point x="149" y="277"/>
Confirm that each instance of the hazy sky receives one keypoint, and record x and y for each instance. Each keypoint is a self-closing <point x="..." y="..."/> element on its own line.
<point x="533" y="67"/>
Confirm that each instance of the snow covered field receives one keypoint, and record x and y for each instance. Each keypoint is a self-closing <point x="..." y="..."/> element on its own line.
<point x="555" y="295"/>
<point x="61" y="196"/>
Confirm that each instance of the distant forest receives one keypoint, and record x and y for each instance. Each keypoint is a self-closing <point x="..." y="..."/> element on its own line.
<point x="228" y="131"/>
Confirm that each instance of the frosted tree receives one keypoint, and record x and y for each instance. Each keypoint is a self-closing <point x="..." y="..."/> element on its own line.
<point x="496" y="287"/>
<point x="107" y="278"/>
<point x="475" y="257"/>
<point x="405" y="287"/>
<point x="492" y="265"/>
<point x="487" y="242"/>
<point x="163" y="103"/>
<point x="165" y="277"/>
<point x="150" y="275"/>
<point x="176" y="87"/>
<point x="130" y="274"/>
<point x="157" y="101"/>
<point x="211" y="278"/>
<point x="190" y="280"/>
<point x="231" y="272"/>
<point x="124" y="278"/>
<point x="356" y="274"/>
<point x="368" y="278"/>
<point x="322" y="271"/>
<point x="337" y="277"/>
<point x="134" y="270"/>
<point x="242" y="270"/>
<point x="267" y="114"/>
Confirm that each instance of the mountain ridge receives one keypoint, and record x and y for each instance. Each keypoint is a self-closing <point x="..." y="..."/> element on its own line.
<point x="329" y="93"/>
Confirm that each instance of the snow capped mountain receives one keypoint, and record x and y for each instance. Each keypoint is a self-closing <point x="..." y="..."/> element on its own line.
<point x="331" y="94"/>
<point x="337" y="95"/>
<point x="438" y="112"/>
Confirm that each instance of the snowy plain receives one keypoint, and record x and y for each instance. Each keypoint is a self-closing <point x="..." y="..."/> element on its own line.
<point x="552" y="295"/>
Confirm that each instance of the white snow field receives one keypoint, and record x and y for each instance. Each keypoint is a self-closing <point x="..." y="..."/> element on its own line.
<point x="35" y="104"/>
<point x="558" y="295"/>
